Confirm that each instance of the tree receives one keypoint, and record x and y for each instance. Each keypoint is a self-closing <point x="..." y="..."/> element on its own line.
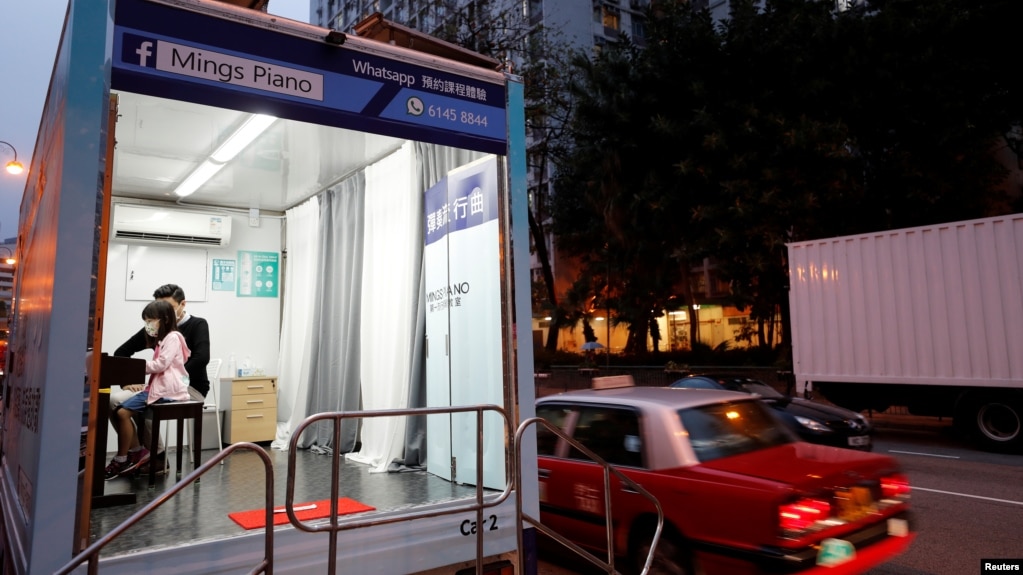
<point x="788" y="121"/>
<point x="878" y="118"/>
<point x="546" y="75"/>
<point x="602" y="200"/>
<point x="776" y="159"/>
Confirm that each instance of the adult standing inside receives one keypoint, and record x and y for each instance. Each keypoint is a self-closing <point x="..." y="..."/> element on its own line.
<point x="197" y="337"/>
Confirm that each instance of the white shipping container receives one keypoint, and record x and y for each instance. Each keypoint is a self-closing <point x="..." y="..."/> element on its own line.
<point x="937" y="306"/>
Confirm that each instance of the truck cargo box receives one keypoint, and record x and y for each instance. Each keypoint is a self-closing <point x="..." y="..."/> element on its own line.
<point x="930" y="317"/>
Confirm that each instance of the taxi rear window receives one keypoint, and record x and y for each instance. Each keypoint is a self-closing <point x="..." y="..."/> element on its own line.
<point x="546" y="440"/>
<point x="613" y="433"/>
<point x="610" y="432"/>
<point x="726" y="429"/>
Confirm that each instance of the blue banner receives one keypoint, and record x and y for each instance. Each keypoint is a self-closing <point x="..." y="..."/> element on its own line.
<point x="459" y="204"/>
<point x="178" y="54"/>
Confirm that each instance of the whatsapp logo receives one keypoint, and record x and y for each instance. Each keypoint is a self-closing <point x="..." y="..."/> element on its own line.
<point x="414" y="106"/>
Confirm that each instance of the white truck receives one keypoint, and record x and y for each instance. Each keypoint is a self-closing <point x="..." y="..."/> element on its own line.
<point x="929" y="318"/>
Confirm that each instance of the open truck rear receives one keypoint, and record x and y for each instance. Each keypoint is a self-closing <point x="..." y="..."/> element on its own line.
<point x="929" y="318"/>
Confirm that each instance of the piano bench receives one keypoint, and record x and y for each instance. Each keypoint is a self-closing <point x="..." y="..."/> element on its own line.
<point x="177" y="411"/>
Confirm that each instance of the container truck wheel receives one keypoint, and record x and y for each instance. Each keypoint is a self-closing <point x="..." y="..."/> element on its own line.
<point x="998" y="422"/>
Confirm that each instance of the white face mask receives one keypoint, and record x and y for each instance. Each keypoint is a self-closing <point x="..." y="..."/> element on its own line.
<point x="152" y="328"/>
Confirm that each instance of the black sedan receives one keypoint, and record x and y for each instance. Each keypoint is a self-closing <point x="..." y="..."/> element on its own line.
<point x="813" y="422"/>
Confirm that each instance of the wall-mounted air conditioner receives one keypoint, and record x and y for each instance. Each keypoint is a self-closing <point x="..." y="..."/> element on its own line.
<point x="163" y="225"/>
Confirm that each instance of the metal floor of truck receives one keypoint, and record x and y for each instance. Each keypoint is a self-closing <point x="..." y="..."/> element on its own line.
<point x="200" y="511"/>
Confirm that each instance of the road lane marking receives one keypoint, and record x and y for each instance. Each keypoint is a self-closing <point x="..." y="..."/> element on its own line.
<point x="915" y="488"/>
<point x="924" y="454"/>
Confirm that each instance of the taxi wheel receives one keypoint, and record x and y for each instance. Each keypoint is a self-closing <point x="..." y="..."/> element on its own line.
<point x="672" y="556"/>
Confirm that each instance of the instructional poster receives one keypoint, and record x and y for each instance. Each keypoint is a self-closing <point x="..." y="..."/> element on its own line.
<point x="223" y="275"/>
<point x="258" y="274"/>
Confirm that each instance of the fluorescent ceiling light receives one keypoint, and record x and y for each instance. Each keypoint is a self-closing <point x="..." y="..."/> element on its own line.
<point x="242" y="137"/>
<point x="255" y="125"/>
<point x="197" y="178"/>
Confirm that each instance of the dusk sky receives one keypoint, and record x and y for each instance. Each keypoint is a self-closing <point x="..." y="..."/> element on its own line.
<point x="28" y="43"/>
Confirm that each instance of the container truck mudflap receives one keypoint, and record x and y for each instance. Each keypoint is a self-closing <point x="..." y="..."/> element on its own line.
<point x="928" y="318"/>
<point x="209" y="54"/>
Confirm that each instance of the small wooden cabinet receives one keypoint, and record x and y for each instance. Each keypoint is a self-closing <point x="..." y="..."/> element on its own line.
<point x="253" y="412"/>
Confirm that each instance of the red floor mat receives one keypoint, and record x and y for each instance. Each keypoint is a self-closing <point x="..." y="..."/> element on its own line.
<point x="256" y="518"/>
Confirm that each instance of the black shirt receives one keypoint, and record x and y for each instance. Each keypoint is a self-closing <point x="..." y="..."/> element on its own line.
<point x="197" y="337"/>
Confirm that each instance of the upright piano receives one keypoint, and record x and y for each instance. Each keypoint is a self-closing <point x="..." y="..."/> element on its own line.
<point x="120" y="371"/>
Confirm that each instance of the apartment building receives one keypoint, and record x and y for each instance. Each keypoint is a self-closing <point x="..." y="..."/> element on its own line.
<point x="580" y="23"/>
<point x="7" y="251"/>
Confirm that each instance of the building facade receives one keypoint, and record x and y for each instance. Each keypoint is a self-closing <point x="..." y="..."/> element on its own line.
<point x="581" y="23"/>
<point x="8" y="249"/>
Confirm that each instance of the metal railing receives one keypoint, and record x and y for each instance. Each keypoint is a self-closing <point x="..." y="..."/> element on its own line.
<point x="91" y="553"/>
<point x="608" y="469"/>
<point x="334" y="527"/>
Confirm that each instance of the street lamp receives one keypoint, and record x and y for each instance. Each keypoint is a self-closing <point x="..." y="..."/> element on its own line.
<point x="9" y="260"/>
<point x="14" y="166"/>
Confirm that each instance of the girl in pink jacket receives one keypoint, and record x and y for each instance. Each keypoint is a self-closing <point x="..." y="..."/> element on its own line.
<point x="168" y="381"/>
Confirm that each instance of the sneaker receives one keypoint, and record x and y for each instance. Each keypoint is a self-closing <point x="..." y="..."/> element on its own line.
<point x="117" y="468"/>
<point x="161" y="465"/>
<point x="136" y="459"/>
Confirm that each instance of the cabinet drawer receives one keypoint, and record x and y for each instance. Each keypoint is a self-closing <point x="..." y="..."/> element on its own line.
<point x="241" y="402"/>
<point x="253" y="386"/>
<point x="253" y="412"/>
<point x="252" y="425"/>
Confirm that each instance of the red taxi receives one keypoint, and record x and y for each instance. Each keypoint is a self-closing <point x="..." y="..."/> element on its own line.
<point x="740" y="492"/>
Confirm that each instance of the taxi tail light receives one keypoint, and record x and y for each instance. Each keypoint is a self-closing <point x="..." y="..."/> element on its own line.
<point x="801" y="515"/>
<point x="895" y="486"/>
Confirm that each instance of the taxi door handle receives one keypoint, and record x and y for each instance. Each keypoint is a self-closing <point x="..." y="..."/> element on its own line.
<point x="629" y="490"/>
<point x="543" y="473"/>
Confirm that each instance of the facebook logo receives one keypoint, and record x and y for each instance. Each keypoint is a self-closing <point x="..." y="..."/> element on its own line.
<point x="145" y="51"/>
<point x="138" y="50"/>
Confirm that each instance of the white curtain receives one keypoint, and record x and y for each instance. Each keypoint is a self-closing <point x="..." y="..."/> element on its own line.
<point x="303" y="251"/>
<point x="353" y="318"/>
<point x="392" y="259"/>
<point x="334" y="371"/>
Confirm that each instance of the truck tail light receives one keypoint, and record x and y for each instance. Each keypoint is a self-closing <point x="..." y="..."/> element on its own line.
<point x="803" y="514"/>
<point x="895" y="486"/>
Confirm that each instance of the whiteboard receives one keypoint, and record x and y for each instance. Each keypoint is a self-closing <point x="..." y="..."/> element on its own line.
<point x="149" y="267"/>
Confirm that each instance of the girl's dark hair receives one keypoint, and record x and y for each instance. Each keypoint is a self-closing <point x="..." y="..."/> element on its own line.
<point x="163" y="311"/>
